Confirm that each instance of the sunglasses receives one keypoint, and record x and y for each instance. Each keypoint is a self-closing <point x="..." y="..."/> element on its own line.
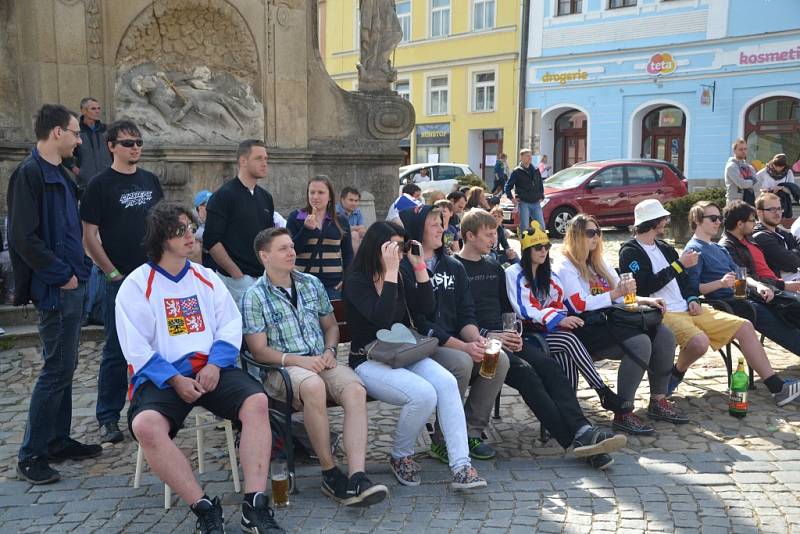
<point x="181" y="230"/>
<point x="538" y="248"/>
<point x="129" y="143"/>
<point x="713" y="218"/>
<point x="591" y="232"/>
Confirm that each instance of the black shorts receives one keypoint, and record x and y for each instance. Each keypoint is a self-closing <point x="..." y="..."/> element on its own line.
<point x="234" y="387"/>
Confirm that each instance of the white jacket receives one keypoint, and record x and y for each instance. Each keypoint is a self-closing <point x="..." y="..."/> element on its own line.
<point x="580" y="295"/>
<point x="548" y="313"/>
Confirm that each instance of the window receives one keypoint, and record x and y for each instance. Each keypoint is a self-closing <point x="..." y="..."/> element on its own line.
<point x="772" y="126"/>
<point x="482" y="14"/>
<point x="614" y="4"/>
<point x="440" y="18"/>
<point x="569" y="7"/>
<point x="449" y="173"/>
<point x="641" y="175"/>
<point x="483" y="91"/>
<point x="403" y="9"/>
<point x="438" y="88"/>
<point x="424" y="154"/>
<point x="403" y="89"/>
<point x="611" y="177"/>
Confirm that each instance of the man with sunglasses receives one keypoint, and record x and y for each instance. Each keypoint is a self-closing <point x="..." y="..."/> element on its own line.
<point x="113" y="210"/>
<point x="779" y="246"/>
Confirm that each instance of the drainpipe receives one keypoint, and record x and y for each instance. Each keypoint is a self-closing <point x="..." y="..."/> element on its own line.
<point x="523" y="71"/>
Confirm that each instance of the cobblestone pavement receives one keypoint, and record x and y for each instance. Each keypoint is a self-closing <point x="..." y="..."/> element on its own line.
<point x="715" y="474"/>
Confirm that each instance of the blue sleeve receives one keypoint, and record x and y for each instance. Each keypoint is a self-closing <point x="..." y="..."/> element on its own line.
<point x="223" y="354"/>
<point x="359" y="218"/>
<point x="347" y="244"/>
<point x="510" y="184"/>
<point x="158" y="371"/>
<point x="695" y="272"/>
<point x="297" y="228"/>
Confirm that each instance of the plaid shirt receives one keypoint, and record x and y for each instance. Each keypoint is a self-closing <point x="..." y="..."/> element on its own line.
<point x="266" y="308"/>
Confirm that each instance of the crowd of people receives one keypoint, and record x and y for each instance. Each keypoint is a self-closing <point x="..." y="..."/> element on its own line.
<point x="186" y="289"/>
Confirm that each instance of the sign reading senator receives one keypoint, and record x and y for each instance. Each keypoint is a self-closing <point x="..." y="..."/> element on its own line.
<point x="433" y="134"/>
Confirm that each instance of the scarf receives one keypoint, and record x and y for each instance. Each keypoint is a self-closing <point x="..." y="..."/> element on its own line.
<point x="776" y="174"/>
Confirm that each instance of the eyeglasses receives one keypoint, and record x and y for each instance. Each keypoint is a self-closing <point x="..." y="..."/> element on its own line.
<point x="546" y="246"/>
<point x="772" y="210"/>
<point x="76" y="133"/>
<point x="181" y="230"/>
<point x="713" y="218"/>
<point x="592" y="232"/>
<point x="753" y="220"/>
<point x="128" y="143"/>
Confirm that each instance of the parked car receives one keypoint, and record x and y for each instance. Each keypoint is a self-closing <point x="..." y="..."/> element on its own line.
<point x="607" y="189"/>
<point x="444" y="176"/>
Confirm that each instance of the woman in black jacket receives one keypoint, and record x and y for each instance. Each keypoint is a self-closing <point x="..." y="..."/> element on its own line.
<point x="375" y="299"/>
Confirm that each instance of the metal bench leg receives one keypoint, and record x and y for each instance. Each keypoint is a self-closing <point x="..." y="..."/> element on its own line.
<point x="497" y="407"/>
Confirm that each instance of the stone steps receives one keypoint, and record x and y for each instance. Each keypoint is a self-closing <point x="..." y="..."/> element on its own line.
<point x="17" y="315"/>
<point x="20" y="336"/>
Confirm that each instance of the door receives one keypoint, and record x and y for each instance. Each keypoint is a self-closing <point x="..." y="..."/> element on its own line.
<point x="668" y="148"/>
<point x="609" y="200"/>
<point x="492" y="146"/>
<point x="573" y="150"/>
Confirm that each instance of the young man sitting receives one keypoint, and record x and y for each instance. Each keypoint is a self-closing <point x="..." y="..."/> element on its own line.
<point x="289" y="321"/>
<point x="661" y="273"/>
<point x="779" y="246"/>
<point x="714" y="276"/>
<point x="180" y="332"/>
<point x="541" y="382"/>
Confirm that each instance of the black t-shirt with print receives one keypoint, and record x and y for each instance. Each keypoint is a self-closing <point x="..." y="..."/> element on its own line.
<point x="118" y="204"/>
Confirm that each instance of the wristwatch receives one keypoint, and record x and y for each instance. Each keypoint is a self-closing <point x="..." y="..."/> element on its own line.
<point x="332" y="349"/>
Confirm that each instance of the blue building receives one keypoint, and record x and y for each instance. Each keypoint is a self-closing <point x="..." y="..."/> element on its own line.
<point x="670" y="79"/>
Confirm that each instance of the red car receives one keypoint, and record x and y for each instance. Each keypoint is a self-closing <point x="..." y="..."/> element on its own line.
<point x="609" y="190"/>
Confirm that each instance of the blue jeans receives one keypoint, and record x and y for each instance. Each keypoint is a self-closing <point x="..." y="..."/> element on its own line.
<point x="50" y="412"/>
<point x="776" y="329"/>
<point x="333" y="294"/>
<point x="112" y="379"/>
<point x="529" y="211"/>
<point x="96" y="290"/>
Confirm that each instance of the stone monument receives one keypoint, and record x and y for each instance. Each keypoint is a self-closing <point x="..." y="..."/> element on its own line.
<point x="198" y="76"/>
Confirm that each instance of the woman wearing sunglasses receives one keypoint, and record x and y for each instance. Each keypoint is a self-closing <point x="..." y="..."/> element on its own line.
<point x="537" y="297"/>
<point x="591" y="284"/>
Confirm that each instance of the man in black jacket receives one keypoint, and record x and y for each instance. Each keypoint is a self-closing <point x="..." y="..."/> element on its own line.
<point x="661" y="273"/>
<point x="51" y="269"/>
<point x="779" y="246"/>
<point x="92" y="155"/>
<point x="454" y="324"/>
<point x="528" y="191"/>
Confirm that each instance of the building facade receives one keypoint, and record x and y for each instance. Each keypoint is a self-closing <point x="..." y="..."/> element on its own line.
<point x="458" y="64"/>
<point x="677" y="80"/>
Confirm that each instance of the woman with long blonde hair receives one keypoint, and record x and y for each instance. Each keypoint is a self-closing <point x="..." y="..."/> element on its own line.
<point x="589" y="284"/>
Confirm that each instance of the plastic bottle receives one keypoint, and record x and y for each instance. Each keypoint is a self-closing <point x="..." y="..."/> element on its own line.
<point x="740" y="382"/>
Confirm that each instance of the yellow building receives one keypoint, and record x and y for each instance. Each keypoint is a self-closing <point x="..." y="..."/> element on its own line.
<point x="458" y="64"/>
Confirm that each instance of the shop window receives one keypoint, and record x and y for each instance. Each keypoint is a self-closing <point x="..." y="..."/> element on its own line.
<point x="663" y="134"/>
<point x="483" y="91"/>
<point x="569" y="7"/>
<point x="483" y="14"/>
<point x="403" y="89"/>
<point x="424" y="153"/>
<point x="772" y="126"/>
<point x="570" y="139"/>
<point x="440" y="18"/>
<point x="614" y="4"/>
<point x="403" y="10"/>
<point x="438" y="89"/>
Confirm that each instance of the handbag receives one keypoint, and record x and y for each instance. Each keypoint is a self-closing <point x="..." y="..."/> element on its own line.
<point x="400" y="346"/>
<point x="618" y="320"/>
<point x="634" y="320"/>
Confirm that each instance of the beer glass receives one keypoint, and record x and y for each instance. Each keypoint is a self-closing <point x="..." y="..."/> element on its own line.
<point x="511" y="323"/>
<point x="740" y="286"/>
<point x="630" y="296"/>
<point x="491" y="355"/>
<point x="279" y="476"/>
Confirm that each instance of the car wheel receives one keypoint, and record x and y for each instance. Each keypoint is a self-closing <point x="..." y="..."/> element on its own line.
<point x="559" y="221"/>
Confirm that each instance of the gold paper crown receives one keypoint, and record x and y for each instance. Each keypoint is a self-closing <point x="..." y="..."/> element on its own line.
<point x="533" y="236"/>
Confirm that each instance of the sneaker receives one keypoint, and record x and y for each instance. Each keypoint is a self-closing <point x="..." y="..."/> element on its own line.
<point x="612" y="401"/>
<point x="631" y="424"/>
<point x="665" y="410"/>
<point x="406" y="471"/>
<point x="110" y="433"/>
<point x="259" y="518"/>
<point x="789" y="392"/>
<point x="334" y="485"/>
<point x="71" y="449"/>
<point x="596" y="441"/>
<point x="439" y="452"/>
<point x="209" y="516"/>
<point x="674" y="382"/>
<point x="36" y="470"/>
<point x="466" y="477"/>
<point x="479" y="450"/>
<point x="600" y="461"/>
<point x="362" y="492"/>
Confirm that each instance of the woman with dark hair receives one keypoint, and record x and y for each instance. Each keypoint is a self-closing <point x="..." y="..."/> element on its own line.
<point x="321" y="236"/>
<point x="776" y="177"/>
<point x="536" y="296"/>
<point x="589" y="283"/>
<point x="376" y="298"/>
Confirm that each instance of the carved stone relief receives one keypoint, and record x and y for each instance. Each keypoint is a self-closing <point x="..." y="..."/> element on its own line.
<point x="187" y="72"/>
<point x="380" y="35"/>
<point x="9" y="94"/>
<point x="94" y="31"/>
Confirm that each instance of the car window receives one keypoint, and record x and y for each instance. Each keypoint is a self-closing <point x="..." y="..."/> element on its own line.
<point x="449" y="173"/>
<point x="611" y="177"/>
<point x="641" y="175"/>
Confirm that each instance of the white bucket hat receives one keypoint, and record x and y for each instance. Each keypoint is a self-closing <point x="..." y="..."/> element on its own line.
<point x="648" y="210"/>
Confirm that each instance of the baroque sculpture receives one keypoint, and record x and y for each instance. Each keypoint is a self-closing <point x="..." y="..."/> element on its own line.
<point x="380" y="34"/>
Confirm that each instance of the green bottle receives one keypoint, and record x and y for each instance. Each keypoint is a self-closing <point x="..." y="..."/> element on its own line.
<point x="737" y="405"/>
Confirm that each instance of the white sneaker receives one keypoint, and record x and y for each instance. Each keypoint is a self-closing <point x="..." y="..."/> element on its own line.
<point x="789" y="392"/>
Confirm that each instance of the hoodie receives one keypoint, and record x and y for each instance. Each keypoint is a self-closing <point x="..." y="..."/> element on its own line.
<point x="739" y="175"/>
<point x="454" y="308"/>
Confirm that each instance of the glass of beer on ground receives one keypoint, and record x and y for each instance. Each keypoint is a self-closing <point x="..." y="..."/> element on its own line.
<point x="491" y="355"/>
<point x="630" y="295"/>
<point x="740" y="286"/>
<point x="279" y="476"/>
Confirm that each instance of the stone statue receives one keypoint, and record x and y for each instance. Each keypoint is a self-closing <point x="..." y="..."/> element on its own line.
<point x="380" y="35"/>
